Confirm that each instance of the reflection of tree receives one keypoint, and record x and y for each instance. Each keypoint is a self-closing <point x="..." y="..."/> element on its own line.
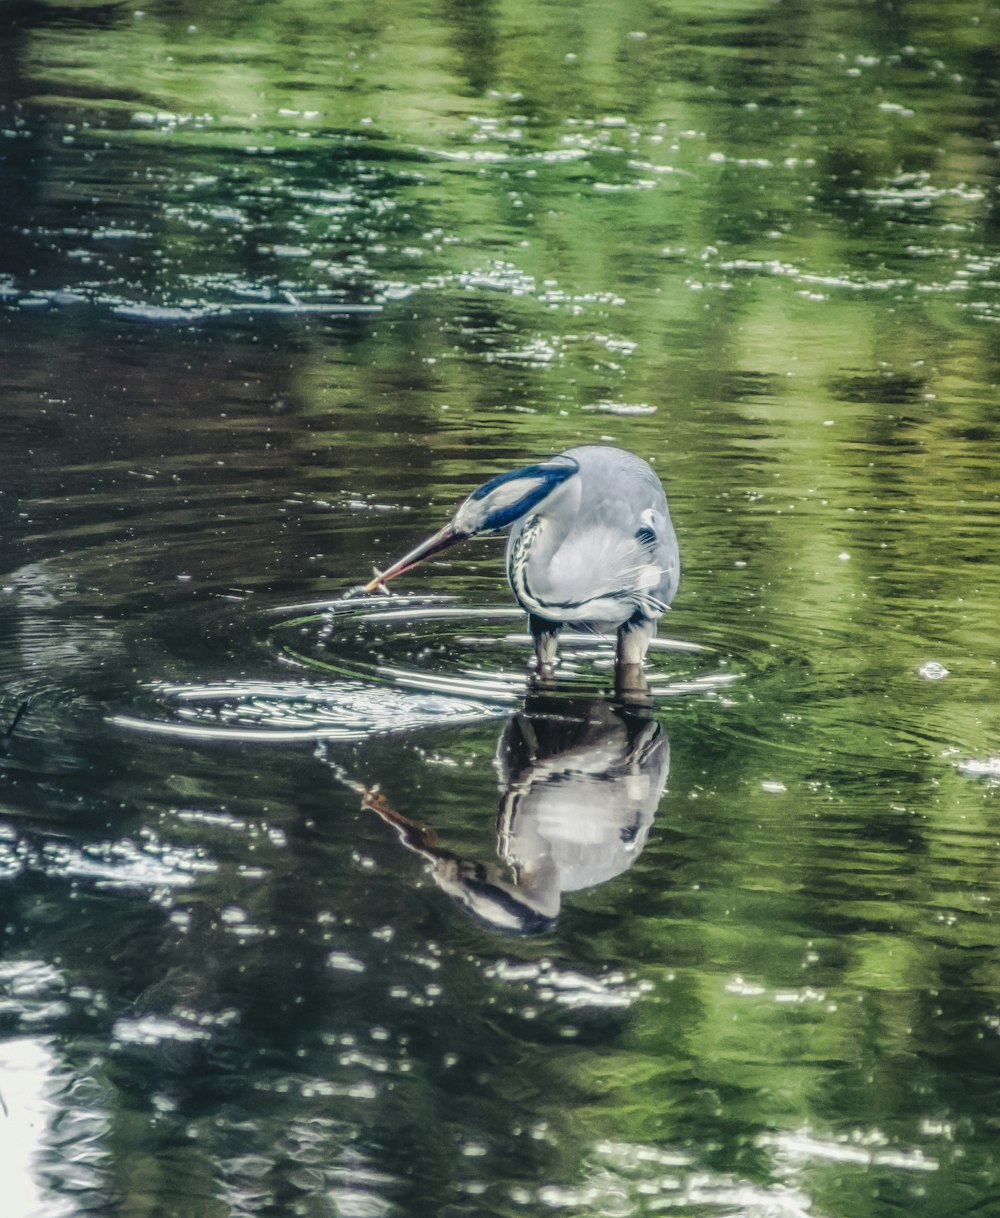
<point x="580" y="781"/>
<point x="754" y="191"/>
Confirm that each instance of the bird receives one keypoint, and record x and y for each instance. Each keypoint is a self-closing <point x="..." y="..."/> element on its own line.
<point x="591" y="547"/>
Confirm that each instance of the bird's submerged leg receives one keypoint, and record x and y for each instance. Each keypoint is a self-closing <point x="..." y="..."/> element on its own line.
<point x="634" y="637"/>
<point x="546" y="636"/>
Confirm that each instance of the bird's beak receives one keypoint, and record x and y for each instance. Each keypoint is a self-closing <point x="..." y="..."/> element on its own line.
<point x="441" y="540"/>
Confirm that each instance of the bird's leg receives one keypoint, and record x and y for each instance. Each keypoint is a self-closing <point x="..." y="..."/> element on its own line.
<point x="546" y="636"/>
<point x="631" y="685"/>
<point x="634" y="637"/>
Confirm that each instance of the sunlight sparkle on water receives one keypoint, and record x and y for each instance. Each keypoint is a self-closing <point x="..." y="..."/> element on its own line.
<point x="315" y="901"/>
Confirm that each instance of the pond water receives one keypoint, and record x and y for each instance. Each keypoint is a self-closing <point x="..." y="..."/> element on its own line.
<point x="281" y="282"/>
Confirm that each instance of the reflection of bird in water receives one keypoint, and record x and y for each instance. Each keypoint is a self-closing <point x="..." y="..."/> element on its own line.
<point x="592" y="547"/>
<point x="581" y="781"/>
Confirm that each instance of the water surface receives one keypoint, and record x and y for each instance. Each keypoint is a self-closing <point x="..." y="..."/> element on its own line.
<point x="310" y="905"/>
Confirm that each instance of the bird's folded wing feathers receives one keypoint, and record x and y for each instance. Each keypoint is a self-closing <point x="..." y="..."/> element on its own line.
<point x="600" y="565"/>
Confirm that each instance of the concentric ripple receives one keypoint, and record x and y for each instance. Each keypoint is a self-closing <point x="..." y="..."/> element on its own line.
<point x="394" y="665"/>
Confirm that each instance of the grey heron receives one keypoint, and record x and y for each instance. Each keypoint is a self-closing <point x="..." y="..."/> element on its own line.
<point x="591" y="547"/>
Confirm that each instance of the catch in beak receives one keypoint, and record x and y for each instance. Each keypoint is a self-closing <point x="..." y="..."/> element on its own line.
<point x="441" y="540"/>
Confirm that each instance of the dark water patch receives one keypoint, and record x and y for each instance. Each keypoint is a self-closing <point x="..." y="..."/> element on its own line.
<point x="886" y="387"/>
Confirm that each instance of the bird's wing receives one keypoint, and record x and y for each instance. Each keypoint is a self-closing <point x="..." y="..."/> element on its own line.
<point x="602" y="564"/>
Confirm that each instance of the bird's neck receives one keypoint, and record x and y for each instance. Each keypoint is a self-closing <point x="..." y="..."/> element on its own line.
<point x="535" y="540"/>
<point x="557" y="515"/>
<point x="550" y="523"/>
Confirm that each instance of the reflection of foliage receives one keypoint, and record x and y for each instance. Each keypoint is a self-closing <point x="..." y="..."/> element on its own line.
<point x="757" y="243"/>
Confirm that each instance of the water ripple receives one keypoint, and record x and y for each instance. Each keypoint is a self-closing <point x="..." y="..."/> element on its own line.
<point x="392" y="666"/>
<point x="299" y="710"/>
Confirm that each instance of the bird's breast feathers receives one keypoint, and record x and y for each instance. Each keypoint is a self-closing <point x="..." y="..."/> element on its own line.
<point x="592" y="576"/>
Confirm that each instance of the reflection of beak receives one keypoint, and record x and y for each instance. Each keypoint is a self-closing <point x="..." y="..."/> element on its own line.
<point x="433" y="545"/>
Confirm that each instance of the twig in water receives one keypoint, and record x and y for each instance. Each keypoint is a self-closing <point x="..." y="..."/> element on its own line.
<point x="5" y="739"/>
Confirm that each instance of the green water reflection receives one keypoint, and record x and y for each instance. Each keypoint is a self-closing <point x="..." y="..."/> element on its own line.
<point x="278" y="284"/>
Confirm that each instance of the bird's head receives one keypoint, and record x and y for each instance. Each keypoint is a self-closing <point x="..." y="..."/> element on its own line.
<point x="490" y="507"/>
